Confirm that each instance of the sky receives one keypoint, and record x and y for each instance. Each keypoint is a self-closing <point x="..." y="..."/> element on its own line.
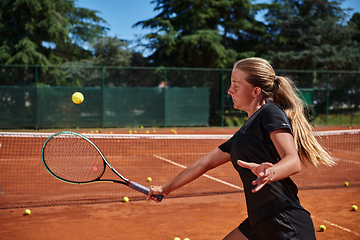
<point x="121" y="15"/>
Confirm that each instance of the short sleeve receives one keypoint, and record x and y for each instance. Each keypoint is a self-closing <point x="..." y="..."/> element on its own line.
<point x="226" y="146"/>
<point x="274" y="118"/>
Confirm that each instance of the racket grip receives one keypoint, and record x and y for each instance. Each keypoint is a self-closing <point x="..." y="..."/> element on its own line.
<point x="144" y="190"/>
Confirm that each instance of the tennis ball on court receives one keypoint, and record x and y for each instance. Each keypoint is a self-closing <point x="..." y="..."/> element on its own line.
<point x="177" y="238"/>
<point x="186" y="238"/>
<point x="149" y="179"/>
<point x="77" y="97"/>
<point x="322" y="228"/>
<point x="346" y="184"/>
<point x="27" y="212"/>
<point x="354" y="207"/>
<point x="126" y="199"/>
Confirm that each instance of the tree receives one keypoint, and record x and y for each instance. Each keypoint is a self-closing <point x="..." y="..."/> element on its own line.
<point x="111" y="51"/>
<point x="311" y="34"/>
<point x="355" y="20"/>
<point x="46" y="32"/>
<point x="202" y="33"/>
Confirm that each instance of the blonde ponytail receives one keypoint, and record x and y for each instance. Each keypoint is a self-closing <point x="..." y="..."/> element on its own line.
<point x="308" y="147"/>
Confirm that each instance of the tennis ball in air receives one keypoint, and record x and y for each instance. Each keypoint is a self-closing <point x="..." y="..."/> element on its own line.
<point x="354" y="207"/>
<point x="77" y="97"/>
<point x="346" y="184"/>
<point x="322" y="228"/>
<point x="126" y="199"/>
<point x="27" y="212"/>
<point x="149" y="179"/>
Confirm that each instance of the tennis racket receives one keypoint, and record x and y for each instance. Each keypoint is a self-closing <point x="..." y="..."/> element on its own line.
<point x="73" y="158"/>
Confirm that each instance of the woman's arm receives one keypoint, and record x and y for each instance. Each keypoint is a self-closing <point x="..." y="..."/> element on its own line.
<point x="289" y="164"/>
<point x="193" y="171"/>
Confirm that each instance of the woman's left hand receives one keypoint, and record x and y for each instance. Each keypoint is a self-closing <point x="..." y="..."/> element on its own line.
<point x="262" y="172"/>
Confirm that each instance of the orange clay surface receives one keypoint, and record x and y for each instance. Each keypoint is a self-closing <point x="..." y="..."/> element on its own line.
<point x="197" y="218"/>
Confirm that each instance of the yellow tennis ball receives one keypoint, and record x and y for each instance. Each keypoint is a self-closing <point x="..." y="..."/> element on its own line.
<point x="149" y="179"/>
<point x="186" y="238"/>
<point x="346" y="184"/>
<point x="322" y="228"/>
<point x="126" y="199"/>
<point x="177" y="238"/>
<point x="77" y="97"/>
<point x="27" y="212"/>
<point x="354" y="207"/>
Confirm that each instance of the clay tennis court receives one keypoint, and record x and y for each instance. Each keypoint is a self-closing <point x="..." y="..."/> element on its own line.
<point x="210" y="216"/>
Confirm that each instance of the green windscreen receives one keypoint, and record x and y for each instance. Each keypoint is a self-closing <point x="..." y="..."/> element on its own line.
<point x="51" y="107"/>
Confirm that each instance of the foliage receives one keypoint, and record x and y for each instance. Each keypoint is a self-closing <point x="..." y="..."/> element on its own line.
<point x="46" y="32"/>
<point x="311" y="34"/>
<point x="355" y="20"/>
<point x="202" y="33"/>
<point x="110" y="51"/>
<point x="308" y="34"/>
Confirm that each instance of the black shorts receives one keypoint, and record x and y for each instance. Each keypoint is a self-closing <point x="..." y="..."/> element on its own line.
<point x="289" y="224"/>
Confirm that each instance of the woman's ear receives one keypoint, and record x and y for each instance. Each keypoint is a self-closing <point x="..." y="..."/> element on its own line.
<point x="257" y="91"/>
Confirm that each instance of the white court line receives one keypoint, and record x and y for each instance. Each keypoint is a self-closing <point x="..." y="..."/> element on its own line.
<point x="335" y="225"/>
<point x="205" y="175"/>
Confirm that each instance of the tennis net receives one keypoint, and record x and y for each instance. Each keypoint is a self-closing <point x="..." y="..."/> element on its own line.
<point x="24" y="181"/>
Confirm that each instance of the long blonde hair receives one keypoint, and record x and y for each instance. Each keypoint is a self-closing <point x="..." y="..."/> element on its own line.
<point x="284" y="93"/>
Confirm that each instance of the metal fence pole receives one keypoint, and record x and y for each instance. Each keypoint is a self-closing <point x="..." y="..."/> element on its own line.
<point x="37" y="99"/>
<point x="327" y="97"/>
<point x="222" y="98"/>
<point x="102" y="97"/>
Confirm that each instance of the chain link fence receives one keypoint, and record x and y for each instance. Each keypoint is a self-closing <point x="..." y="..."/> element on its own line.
<point x="40" y="96"/>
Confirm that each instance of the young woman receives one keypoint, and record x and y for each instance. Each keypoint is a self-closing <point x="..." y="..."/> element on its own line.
<point x="265" y="151"/>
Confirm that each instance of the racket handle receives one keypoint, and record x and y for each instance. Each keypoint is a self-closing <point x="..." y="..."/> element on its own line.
<point x="143" y="189"/>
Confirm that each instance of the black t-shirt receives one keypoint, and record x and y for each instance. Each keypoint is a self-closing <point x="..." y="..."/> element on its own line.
<point x="252" y="143"/>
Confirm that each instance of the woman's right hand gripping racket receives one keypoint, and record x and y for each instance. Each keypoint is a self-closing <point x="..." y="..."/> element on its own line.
<point x="73" y="158"/>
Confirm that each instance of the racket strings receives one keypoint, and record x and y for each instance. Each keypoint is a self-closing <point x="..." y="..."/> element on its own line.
<point x="73" y="158"/>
